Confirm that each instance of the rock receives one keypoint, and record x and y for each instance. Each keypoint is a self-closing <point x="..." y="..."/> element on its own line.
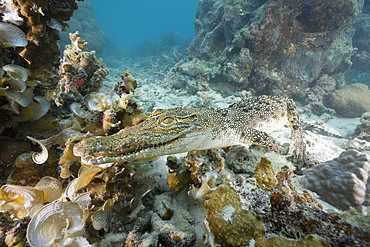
<point x="351" y="100"/>
<point x="275" y="47"/>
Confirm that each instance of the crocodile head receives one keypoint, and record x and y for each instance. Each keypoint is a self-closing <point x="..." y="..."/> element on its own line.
<point x="164" y="132"/>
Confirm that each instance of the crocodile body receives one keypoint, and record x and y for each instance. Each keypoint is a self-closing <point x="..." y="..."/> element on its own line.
<point x="179" y="130"/>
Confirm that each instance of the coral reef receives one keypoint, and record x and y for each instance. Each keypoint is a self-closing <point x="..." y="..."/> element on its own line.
<point x="283" y="215"/>
<point x="265" y="174"/>
<point x="109" y="111"/>
<point x="225" y="197"/>
<point x="351" y="100"/>
<point x="41" y="21"/>
<point x="18" y="102"/>
<point x="361" y="59"/>
<point x="126" y="85"/>
<point x="81" y="72"/>
<point x="343" y="182"/>
<point x="174" y="229"/>
<point x="243" y="160"/>
<point x="273" y="47"/>
<point x="16" y="230"/>
<point x="362" y="130"/>
<point x="83" y="21"/>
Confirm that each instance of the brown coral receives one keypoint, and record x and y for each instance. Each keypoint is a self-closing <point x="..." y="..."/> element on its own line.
<point x="42" y="51"/>
<point x="126" y="85"/>
<point x="264" y="174"/>
<point x="351" y="100"/>
<point x="229" y="221"/>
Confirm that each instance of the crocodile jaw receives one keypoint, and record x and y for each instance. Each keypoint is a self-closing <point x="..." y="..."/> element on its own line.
<point x="140" y="154"/>
<point x="127" y="145"/>
<point x="178" y="145"/>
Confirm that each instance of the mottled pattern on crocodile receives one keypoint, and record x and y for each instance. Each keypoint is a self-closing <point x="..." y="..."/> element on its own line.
<point x="179" y="130"/>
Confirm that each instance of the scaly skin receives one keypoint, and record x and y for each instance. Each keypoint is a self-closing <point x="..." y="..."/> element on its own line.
<point x="179" y="130"/>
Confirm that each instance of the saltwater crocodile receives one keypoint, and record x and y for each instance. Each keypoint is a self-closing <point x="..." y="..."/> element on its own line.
<point x="179" y="130"/>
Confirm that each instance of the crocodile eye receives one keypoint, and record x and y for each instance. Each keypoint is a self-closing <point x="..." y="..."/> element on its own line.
<point x="168" y="121"/>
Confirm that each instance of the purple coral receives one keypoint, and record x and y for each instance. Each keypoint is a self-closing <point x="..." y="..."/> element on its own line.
<point x="343" y="182"/>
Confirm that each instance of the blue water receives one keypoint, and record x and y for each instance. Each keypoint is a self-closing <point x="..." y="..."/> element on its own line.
<point x="128" y="23"/>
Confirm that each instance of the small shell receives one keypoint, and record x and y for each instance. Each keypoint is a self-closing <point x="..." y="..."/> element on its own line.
<point x="12" y="36"/>
<point x="41" y="157"/>
<point x="101" y="218"/>
<point x="54" y="24"/>
<point x="40" y="108"/>
<point x="54" y="223"/>
<point x="76" y="242"/>
<point x="71" y="189"/>
<point x="30" y="197"/>
<point x="102" y="101"/>
<point x="17" y="72"/>
<point x="34" y="110"/>
<point x="17" y="99"/>
<point x="208" y="185"/>
<point x="15" y="208"/>
<point x="51" y="187"/>
<point x="94" y="102"/>
<point x="76" y="109"/>
<point x="16" y="85"/>
<point x="84" y="178"/>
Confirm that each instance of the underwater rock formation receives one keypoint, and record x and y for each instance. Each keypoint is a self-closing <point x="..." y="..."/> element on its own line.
<point x="278" y="47"/>
<point x="343" y="182"/>
<point x="361" y="60"/>
<point x="351" y="100"/>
